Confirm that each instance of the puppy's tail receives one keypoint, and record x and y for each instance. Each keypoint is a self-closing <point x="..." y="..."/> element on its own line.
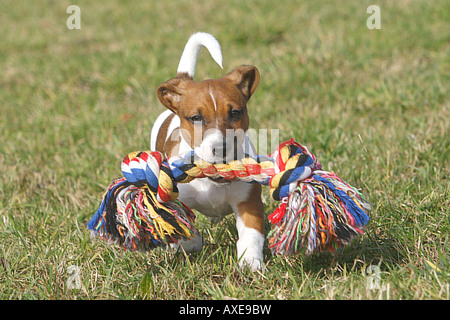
<point x="188" y="59"/>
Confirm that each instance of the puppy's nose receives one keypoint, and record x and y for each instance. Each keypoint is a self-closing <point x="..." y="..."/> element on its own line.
<point x="219" y="150"/>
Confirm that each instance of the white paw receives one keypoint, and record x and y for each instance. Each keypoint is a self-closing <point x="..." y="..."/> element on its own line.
<point x="195" y="244"/>
<point x="254" y="263"/>
<point x="250" y="249"/>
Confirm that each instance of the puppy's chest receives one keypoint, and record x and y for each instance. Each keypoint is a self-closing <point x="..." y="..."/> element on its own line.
<point x="211" y="199"/>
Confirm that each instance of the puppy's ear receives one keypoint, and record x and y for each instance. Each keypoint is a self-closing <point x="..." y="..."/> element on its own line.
<point x="246" y="79"/>
<point x="171" y="92"/>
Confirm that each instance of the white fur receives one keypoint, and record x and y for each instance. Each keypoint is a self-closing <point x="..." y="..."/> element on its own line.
<point x="249" y="246"/>
<point x="188" y="59"/>
<point x="157" y="125"/>
<point x="212" y="139"/>
<point x="195" y="244"/>
<point x="213" y="99"/>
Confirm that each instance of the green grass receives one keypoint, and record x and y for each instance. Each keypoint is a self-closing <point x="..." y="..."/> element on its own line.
<point x="371" y="104"/>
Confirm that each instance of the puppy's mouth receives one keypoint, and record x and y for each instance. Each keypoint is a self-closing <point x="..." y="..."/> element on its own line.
<point x="219" y="180"/>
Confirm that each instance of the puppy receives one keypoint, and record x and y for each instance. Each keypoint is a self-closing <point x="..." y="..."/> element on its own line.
<point x="211" y="118"/>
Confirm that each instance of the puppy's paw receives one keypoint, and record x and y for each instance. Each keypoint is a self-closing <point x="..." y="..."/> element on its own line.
<point x="254" y="263"/>
<point x="195" y="244"/>
<point x="250" y="249"/>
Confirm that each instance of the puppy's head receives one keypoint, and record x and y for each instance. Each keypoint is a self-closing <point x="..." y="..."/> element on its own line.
<point x="213" y="113"/>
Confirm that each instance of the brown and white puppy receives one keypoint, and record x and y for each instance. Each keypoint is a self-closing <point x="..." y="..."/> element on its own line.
<point x="211" y="118"/>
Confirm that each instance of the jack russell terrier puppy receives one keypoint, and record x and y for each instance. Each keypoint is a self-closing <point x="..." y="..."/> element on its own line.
<point x="211" y="118"/>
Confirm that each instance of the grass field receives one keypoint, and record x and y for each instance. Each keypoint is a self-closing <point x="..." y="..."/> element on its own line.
<point x="373" y="105"/>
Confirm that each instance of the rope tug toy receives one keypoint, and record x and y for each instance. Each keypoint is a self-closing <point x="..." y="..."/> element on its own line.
<point x="318" y="210"/>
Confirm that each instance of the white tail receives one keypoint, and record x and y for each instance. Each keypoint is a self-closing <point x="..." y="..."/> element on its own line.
<point x="188" y="59"/>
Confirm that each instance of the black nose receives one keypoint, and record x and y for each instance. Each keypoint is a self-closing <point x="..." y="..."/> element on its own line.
<point x="220" y="150"/>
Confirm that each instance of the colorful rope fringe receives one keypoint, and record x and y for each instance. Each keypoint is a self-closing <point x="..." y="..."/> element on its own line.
<point x="318" y="210"/>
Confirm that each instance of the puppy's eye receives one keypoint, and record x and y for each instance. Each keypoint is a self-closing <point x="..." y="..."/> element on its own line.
<point x="235" y="114"/>
<point x="195" y="118"/>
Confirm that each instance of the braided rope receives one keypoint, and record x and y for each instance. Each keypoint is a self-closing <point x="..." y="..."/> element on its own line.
<point x="288" y="164"/>
<point x="318" y="211"/>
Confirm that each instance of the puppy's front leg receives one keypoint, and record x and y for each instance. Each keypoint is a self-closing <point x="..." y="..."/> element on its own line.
<point x="250" y="226"/>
